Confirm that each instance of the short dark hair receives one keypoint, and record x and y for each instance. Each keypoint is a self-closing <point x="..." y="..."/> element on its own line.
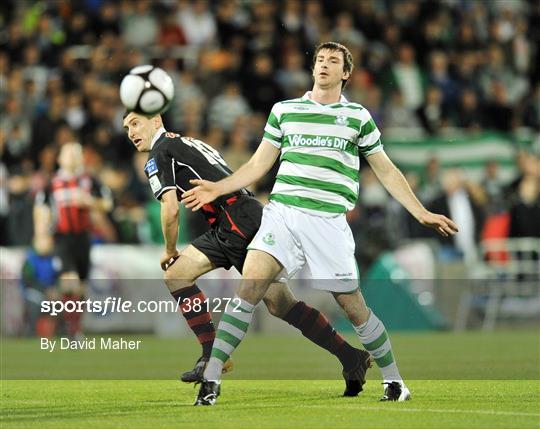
<point x="348" y="63"/>
<point x="128" y="111"/>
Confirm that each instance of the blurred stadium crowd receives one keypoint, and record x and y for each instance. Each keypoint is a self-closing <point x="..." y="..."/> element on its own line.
<point x="421" y="67"/>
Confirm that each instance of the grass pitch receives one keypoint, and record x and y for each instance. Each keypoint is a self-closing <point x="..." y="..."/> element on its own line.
<point x="469" y="380"/>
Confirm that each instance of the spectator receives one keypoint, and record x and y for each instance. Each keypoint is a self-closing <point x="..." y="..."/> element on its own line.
<point x="398" y="115"/>
<point x="345" y="32"/>
<point x="170" y="33"/>
<point x="44" y="126"/>
<point x="261" y="84"/>
<point x="432" y="113"/>
<point x="39" y="282"/>
<point x="75" y="115"/>
<point x="528" y="165"/>
<point x="17" y="132"/>
<point x="291" y="17"/>
<point x="292" y="77"/>
<point x="19" y="220"/>
<point x="494" y="187"/>
<point x="469" y="115"/>
<point x="408" y="77"/>
<point x="78" y="30"/>
<point x="439" y="76"/>
<point x="456" y="203"/>
<point x="531" y="114"/>
<point x="499" y="114"/>
<point x="466" y="40"/>
<point x="139" y="25"/>
<point x="227" y="107"/>
<point x="33" y="68"/>
<point x="231" y="22"/>
<point x="314" y="22"/>
<point x="107" y="19"/>
<point x="466" y="72"/>
<point x="497" y="72"/>
<point x="197" y="22"/>
<point x="525" y="212"/>
<point x="430" y="181"/>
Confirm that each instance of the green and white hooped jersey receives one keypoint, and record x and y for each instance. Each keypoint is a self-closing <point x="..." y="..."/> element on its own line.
<point x="320" y="152"/>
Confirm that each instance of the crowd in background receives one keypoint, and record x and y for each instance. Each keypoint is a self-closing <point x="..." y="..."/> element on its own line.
<point x="427" y="67"/>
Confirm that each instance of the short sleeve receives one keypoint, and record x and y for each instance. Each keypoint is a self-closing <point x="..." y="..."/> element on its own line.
<point x="369" y="137"/>
<point x="272" y="130"/>
<point x="160" y="172"/>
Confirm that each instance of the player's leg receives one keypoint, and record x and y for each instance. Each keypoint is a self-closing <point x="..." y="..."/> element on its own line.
<point x="260" y="269"/>
<point x="180" y="280"/>
<point x="313" y="324"/>
<point x="80" y="250"/>
<point x="70" y="251"/>
<point x="375" y="339"/>
<point x="271" y="250"/>
<point x="339" y="266"/>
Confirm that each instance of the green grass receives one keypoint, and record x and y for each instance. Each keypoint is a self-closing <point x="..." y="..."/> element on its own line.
<point x="267" y="404"/>
<point x="457" y="381"/>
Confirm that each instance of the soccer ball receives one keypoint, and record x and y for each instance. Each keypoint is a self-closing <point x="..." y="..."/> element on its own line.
<point x="147" y="90"/>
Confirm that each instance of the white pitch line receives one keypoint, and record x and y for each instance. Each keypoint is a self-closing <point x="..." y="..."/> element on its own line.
<point x="432" y="410"/>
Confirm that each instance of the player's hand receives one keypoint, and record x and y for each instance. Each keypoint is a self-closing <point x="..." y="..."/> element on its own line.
<point x="439" y="223"/>
<point x="167" y="259"/>
<point x="203" y="193"/>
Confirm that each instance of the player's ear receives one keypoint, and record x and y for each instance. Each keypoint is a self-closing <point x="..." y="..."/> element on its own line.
<point x="157" y="121"/>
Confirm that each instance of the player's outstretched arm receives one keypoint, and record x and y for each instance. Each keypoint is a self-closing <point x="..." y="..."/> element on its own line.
<point x="394" y="182"/>
<point x="169" y="225"/>
<point x="205" y="191"/>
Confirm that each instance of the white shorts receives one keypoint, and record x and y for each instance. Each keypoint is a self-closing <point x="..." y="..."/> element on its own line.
<point x="297" y="239"/>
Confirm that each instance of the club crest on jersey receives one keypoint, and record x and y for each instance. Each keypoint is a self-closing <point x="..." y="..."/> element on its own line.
<point x="151" y="167"/>
<point x="269" y="239"/>
<point x="342" y="120"/>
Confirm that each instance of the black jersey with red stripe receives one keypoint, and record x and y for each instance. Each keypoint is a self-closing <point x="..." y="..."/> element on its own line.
<point x="63" y="194"/>
<point x="174" y="160"/>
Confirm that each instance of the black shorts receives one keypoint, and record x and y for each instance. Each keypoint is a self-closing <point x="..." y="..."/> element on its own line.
<point x="225" y="244"/>
<point x="74" y="253"/>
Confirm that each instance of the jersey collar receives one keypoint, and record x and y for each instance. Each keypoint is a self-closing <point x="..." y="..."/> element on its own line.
<point x="307" y="96"/>
<point x="157" y="135"/>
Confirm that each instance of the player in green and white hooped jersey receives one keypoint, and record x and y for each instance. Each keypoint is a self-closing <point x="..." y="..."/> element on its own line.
<point x="319" y="138"/>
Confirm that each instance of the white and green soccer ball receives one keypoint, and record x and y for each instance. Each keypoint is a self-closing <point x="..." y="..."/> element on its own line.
<point x="147" y="90"/>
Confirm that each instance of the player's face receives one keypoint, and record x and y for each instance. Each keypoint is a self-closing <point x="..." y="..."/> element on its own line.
<point x="70" y="157"/>
<point x="139" y="130"/>
<point x="328" y="69"/>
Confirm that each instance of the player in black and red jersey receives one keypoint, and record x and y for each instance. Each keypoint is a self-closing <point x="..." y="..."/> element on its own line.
<point x="63" y="208"/>
<point x="234" y="219"/>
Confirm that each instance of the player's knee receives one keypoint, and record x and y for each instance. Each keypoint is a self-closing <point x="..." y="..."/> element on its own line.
<point x="177" y="277"/>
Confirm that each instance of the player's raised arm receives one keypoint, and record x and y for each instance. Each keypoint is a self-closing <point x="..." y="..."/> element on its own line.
<point x="205" y="191"/>
<point x="169" y="225"/>
<point x="396" y="184"/>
